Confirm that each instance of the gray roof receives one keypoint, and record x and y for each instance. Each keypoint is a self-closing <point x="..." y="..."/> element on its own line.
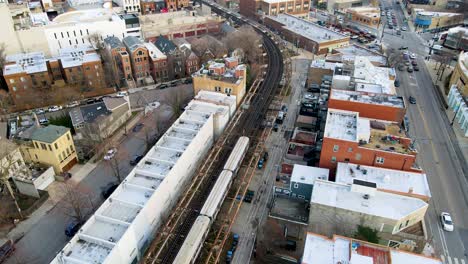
<point x="226" y="28"/>
<point x="49" y="133"/>
<point x="132" y="43"/>
<point x="113" y="42"/>
<point x="88" y="113"/>
<point x="165" y="45"/>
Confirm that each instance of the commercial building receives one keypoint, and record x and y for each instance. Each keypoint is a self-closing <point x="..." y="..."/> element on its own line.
<point x="426" y="20"/>
<point x="303" y="178"/>
<point x="25" y="72"/>
<point x="139" y="58"/>
<point x="51" y="145"/>
<point x="157" y="62"/>
<point x="369" y="105"/>
<point x="342" y="5"/>
<point x="124" y="225"/>
<point x="365" y="16"/>
<point x="406" y="183"/>
<point x="460" y="74"/>
<point x="361" y="203"/>
<point x="82" y="66"/>
<point x="174" y="5"/>
<point x="307" y="35"/>
<point x="349" y="53"/>
<point x="226" y="77"/>
<point x="301" y="144"/>
<point x="299" y="8"/>
<point x="457" y="38"/>
<point x="318" y="68"/>
<point x="458" y="104"/>
<point x="152" y="6"/>
<point x="340" y="249"/>
<point x="218" y="99"/>
<point x="100" y="120"/>
<point x="129" y="6"/>
<point x="178" y="24"/>
<point x="348" y="137"/>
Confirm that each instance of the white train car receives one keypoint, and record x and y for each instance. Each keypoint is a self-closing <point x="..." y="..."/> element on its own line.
<point x="237" y="155"/>
<point x="193" y="243"/>
<point x="218" y="193"/>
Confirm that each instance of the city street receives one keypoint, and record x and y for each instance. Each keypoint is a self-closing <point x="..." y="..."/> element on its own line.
<point x="254" y="214"/>
<point x="439" y="154"/>
<point x="41" y="243"/>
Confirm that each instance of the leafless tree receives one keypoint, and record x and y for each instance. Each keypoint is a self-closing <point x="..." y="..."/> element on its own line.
<point x="111" y="71"/>
<point x="393" y="57"/>
<point x="10" y="163"/>
<point x="77" y="202"/>
<point x="115" y="164"/>
<point x="175" y="100"/>
<point x="248" y="40"/>
<point x="2" y="63"/>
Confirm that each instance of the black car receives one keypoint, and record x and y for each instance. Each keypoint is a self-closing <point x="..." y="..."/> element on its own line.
<point x="137" y="127"/>
<point x="412" y="100"/>
<point x="416" y="68"/>
<point x="108" y="190"/>
<point x="134" y="161"/>
<point x="72" y="228"/>
<point x="403" y="48"/>
<point x="163" y="86"/>
<point x="397" y="83"/>
<point x="410" y="69"/>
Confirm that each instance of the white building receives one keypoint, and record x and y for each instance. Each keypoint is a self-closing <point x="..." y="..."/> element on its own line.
<point x="219" y="99"/>
<point x="131" y="6"/>
<point x="303" y="179"/>
<point x="126" y="222"/>
<point x="322" y="250"/>
<point x="459" y="107"/>
<point x="388" y="180"/>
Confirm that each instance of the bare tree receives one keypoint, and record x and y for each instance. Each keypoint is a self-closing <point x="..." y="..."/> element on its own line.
<point x="76" y="202"/>
<point x="111" y="71"/>
<point x="115" y="164"/>
<point x="175" y="100"/>
<point x="2" y="64"/>
<point x="248" y="40"/>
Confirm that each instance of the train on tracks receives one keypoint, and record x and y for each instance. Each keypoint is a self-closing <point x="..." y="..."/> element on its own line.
<point x="193" y="243"/>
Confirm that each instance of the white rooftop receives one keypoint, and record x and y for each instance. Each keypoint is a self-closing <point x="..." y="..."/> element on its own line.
<point x="323" y="64"/>
<point x="73" y="57"/>
<point x="342" y="125"/>
<point x="437" y="14"/>
<point x="401" y="257"/>
<point x="215" y="97"/>
<point x="369" y="98"/>
<point x="386" y="179"/>
<point x="378" y="78"/>
<point x="382" y="204"/>
<point x="103" y="231"/>
<point x="29" y="63"/>
<point x="86" y="15"/>
<point x="307" y="29"/>
<point x="322" y="250"/>
<point x="154" y="52"/>
<point x="307" y="174"/>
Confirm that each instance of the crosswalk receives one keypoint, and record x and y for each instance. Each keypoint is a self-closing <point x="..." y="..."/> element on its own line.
<point x="452" y="260"/>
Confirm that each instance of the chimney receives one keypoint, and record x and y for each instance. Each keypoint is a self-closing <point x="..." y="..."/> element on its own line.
<point x="411" y="189"/>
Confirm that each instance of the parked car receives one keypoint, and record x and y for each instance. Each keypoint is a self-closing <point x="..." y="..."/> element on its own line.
<point x="416" y="68"/>
<point x="6" y="250"/>
<point x="72" y="228"/>
<point x="137" y="127"/>
<point x="403" y="28"/>
<point x="412" y="56"/>
<point x="121" y="94"/>
<point x="410" y="69"/>
<point x="108" y="190"/>
<point x="134" y="161"/>
<point x="39" y="111"/>
<point x="275" y="127"/>
<point x="396" y="83"/>
<point x="401" y="67"/>
<point x="414" y="63"/>
<point x="446" y="221"/>
<point x="110" y="154"/>
<point x="412" y="100"/>
<point x="43" y="121"/>
<point x="403" y="48"/>
<point x="163" y="86"/>
<point x="188" y="80"/>
<point x="54" y="108"/>
<point x="72" y="104"/>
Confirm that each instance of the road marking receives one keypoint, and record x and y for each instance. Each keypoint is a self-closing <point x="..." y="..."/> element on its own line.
<point x="442" y="257"/>
<point x="462" y="261"/>
<point x="456" y="260"/>
<point x="449" y="260"/>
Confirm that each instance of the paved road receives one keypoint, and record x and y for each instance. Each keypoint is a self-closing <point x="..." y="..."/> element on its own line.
<point x="436" y="143"/>
<point x="41" y="244"/>
<point x="276" y="146"/>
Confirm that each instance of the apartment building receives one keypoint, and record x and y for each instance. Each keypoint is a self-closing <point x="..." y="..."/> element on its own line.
<point x="307" y="35"/>
<point x="51" y="145"/>
<point x="341" y="5"/>
<point x="412" y="184"/>
<point x="120" y="56"/>
<point x="82" y="67"/>
<point x="460" y="74"/>
<point x="158" y="63"/>
<point x="192" y="63"/>
<point x="25" y="72"/>
<point x="348" y="137"/>
<point x="139" y="58"/>
<point x="340" y="249"/>
<point x="153" y="6"/>
<point x="361" y="203"/>
<point x="365" y="16"/>
<point x="303" y="180"/>
<point x="427" y="20"/>
<point x="226" y="77"/>
<point x="369" y="105"/>
<point x="299" y="8"/>
<point x="174" y="5"/>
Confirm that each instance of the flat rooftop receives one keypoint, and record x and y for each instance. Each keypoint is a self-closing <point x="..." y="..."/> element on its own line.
<point x="87" y="251"/>
<point x="82" y="16"/>
<point x="386" y="179"/>
<point x="339" y="249"/>
<point x="377" y="77"/>
<point x="29" y="63"/>
<point x="215" y="97"/>
<point x="307" y="29"/>
<point x="308" y="174"/>
<point x="351" y="51"/>
<point x="323" y="64"/>
<point x="341" y="125"/>
<point x="375" y="99"/>
<point x="73" y="57"/>
<point x="383" y="204"/>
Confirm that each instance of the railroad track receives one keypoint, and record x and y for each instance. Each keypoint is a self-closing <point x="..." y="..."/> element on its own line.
<point x="167" y="243"/>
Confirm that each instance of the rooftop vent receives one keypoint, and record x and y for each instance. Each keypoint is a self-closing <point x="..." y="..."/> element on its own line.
<point x="365" y="196"/>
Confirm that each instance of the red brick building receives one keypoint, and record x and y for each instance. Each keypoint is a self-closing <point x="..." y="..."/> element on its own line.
<point x="158" y="63"/>
<point x="377" y="106"/>
<point x="255" y="8"/>
<point x="351" y="138"/>
<point x="120" y="56"/>
<point x="139" y="58"/>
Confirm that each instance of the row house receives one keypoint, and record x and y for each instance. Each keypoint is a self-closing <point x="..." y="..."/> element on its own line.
<point x="120" y="56"/>
<point x="158" y="63"/>
<point x="138" y="57"/>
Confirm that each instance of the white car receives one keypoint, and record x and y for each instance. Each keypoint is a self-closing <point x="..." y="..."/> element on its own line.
<point x="54" y="108"/>
<point x="110" y="154"/>
<point x="403" y="28"/>
<point x="412" y="56"/>
<point x="73" y="104"/>
<point x="446" y="221"/>
<point x="121" y="94"/>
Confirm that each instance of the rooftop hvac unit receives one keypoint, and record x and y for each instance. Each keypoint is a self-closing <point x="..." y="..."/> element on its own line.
<point x="365" y="196"/>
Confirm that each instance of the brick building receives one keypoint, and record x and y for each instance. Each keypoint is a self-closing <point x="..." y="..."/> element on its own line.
<point x="192" y="63"/>
<point x="120" y="56"/>
<point x="152" y="6"/>
<point x="158" y="63"/>
<point x="138" y="57"/>
<point x="351" y="138"/>
<point x="307" y="35"/>
<point x="298" y="8"/>
<point x="25" y="71"/>
<point x="82" y="67"/>
<point x="366" y="16"/>
<point x="369" y="105"/>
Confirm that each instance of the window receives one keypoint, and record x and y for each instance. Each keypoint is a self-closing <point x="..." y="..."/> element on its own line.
<point x="68" y="152"/>
<point x="227" y="90"/>
<point x="43" y="146"/>
<point x="379" y="160"/>
<point x="296" y="185"/>
<point x="35" y="156"/>
<point x="71" y="148"/>
<point x="217" y="89"/>
<point x="336" y="148"/>
<point x="60" y="157"/>
<point x="62" y="34"/>
<point x="56" y="146"/>
<point x="68" y="136"/>
<point x="333" y="159"/>
<point x="35" y="144"/>
<point x="12" y="81"/>
<point x="358" y="156"/>
<point x="350" y="149"/>
<point x="50" y="148"/>
<point x="63" y="154"/>
<point x="55" y="35"/>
